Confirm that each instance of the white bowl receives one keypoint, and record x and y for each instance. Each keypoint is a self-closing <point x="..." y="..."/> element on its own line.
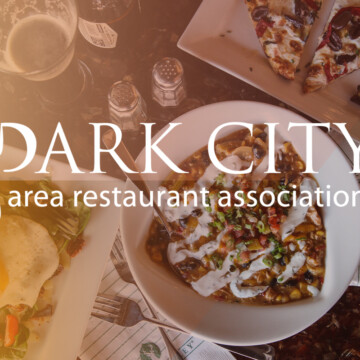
<point x="237" y="324"/>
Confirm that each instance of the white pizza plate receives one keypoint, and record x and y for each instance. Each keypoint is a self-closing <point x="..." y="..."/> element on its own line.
<point x="222" y="34"/>
<point x="234" y="323"/>
<point x="75" y="288"/>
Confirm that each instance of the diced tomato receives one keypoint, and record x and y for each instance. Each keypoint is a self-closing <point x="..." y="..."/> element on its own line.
<point x="263" y="240"/>
<point x="320" y="247"/>
<point x="245" y="256"/>
<point x="229" y="227"/>
<point x="11" y="330"/>
<point x="273" y="219"/>
<point x="238" y="233"/>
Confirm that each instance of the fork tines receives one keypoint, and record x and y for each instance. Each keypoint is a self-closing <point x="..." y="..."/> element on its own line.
<point x="107" y="307"/>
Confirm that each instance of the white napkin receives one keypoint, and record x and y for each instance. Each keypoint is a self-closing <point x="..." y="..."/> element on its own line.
<point x="104" y="341"/>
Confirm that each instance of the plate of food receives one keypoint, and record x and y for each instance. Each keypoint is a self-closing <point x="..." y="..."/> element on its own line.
<point x="51" y="258"/>
<point x="304" y="52"/>
<point x="234" y="273"/>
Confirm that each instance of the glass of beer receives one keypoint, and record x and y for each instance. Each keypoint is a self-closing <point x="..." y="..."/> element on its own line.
<point x="37" y="42"/>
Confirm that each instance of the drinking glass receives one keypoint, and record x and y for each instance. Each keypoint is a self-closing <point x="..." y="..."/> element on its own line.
<point x="37" y="42"/>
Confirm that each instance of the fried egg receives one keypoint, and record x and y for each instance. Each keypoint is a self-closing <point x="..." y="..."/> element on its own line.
<point x="28" y="257"/>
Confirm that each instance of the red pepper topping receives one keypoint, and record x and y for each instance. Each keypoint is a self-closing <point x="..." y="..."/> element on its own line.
<point x="312" y="4"/>
<point x="328" y="72"/>
<point x="326" y="38"/>
<point x="262" y="25"/>
<point x="354" y="10"/>
<point x="331" y="77"/>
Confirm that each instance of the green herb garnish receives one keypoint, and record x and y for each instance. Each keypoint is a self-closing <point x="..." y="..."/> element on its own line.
<point x="220" y="180"/>
<point x="268" y="262"/>
<point x="221" y="216"/>
<point x="217" y="224"/>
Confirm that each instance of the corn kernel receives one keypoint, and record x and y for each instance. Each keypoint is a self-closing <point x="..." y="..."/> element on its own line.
<point x="295" y="294"/>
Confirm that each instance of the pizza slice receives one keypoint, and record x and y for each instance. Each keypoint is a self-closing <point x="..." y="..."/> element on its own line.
<point x="338" y="50"/>
<point x="283" y="27"/>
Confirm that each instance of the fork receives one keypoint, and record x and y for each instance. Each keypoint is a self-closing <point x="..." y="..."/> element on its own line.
<point x="123" y="270"/>
<point x="124" y="312"/>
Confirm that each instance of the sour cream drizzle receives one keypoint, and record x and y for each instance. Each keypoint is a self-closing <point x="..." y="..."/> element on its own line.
<point x="298" y="212"/>
<point x="216" y="279"/>
<point x="296" y="262"/>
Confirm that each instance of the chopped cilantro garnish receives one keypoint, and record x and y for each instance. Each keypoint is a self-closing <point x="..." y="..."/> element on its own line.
<point x="239" y="213"/>
<point x="301" y="238"/>
<point x="248" y="226"/>
<point x="217" y="224"/>
<point x="286" y="197"/>
<point x="218" y="261"/>
<point x="221" y="216"/>
<point x="272" y="239"/>
<point x="277" y="256"/>
<point x="220" y="179"/>
<point x="249" y="242"/>
<point x="208" y="205"/>
<point x="238" y="227"/>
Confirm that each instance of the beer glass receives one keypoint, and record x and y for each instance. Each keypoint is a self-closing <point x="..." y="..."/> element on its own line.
<point x="37" y="42"/>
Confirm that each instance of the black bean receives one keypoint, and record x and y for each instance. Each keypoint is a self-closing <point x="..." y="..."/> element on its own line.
<point x="196" y="213"/>
<point x="232" y="268"/>
<point x="273" y="282"/>
<point x="259" y="151"/>
<point x="354" y="31"/>
<point x="259" y="12"/>
<point x="343" y="59"/>
<point x="189" y="265"/>
<point x="341" y="20"/>
<point x="335" y="42"/>
<point x="297" y="22"/>
<point x="291" y="282"/>
<point x="309" y="277"/>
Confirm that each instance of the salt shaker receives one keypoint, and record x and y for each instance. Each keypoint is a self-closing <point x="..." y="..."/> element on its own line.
<point x="168" y="86"/>
<point x="127" y="109"/>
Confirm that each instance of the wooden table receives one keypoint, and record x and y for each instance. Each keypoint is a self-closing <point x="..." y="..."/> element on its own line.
<point x="162" y="23"/>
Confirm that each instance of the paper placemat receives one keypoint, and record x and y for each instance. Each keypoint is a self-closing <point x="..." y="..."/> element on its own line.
<point x="104" y="341"/>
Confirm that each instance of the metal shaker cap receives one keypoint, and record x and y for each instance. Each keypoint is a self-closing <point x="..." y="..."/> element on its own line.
<point x="124" y="96"/>
<point x="168" y="72"/>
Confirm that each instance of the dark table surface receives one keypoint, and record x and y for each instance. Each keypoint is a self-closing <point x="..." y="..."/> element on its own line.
<point x="161" y="24"/>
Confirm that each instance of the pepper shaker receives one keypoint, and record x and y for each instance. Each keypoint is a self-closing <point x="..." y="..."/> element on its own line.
<point x="127" y="108"/>
<point x="168" y="85"/>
